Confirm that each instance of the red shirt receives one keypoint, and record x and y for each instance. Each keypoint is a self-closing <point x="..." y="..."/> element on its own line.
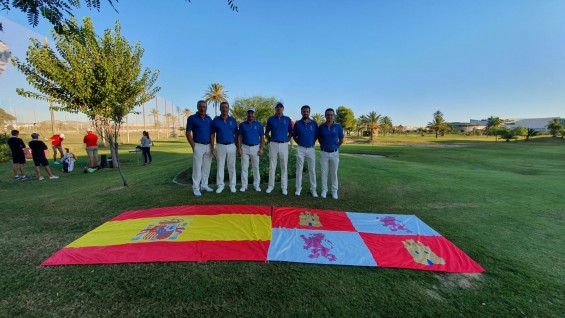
<point x="56" y="140"/>
<point x="90" y="140"/>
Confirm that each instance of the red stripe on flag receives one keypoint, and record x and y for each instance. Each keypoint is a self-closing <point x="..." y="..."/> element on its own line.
<point x="311" y="219"/>
<point x="162" y="252"/>
<point x="194" y="210"/>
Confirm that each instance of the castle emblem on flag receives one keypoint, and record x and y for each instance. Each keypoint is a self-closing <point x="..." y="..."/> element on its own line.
<point x="422" y="254"/>
<point x="309" y="219"/>
<point x="163" y="230"/>
<point x="392" y="224"/>
<point x="318" y="246"/>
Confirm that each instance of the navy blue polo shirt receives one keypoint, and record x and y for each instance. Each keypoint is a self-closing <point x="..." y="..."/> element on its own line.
<point x="250" y="132"/>
<point x="306" y="133"/>
<point x="279" y="128"/>
<point x="201" y="128"/>
<point x="224" y="129"/>
<point x="329" y="136"/>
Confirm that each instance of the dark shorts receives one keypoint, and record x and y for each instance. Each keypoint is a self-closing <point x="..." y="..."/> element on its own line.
<point x="40" y="161"/>
<point x="19" y="158"/>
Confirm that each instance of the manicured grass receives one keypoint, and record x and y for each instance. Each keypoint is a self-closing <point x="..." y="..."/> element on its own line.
<point x="501" y="203"/>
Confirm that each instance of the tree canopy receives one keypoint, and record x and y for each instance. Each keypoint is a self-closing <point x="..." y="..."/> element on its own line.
<point x="555" y="126"/>
<point x="345" y="117"/>
<point x="216" y="95"/>
<point x="264" y="108"/>
<point x="57" y="12"/>
<point x="438" y="124"/>
<point x="4" y="117"/>
<point x="100" y="77"/>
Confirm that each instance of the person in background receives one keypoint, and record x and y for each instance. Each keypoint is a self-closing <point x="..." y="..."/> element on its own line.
<point x="38" y="148"/>
<point x="68" y="161"/>
<point x="199" y="134"/>
<point x="146" y="148"/>
<point x="330" y="136"/>
<point x="17" y="147"/>
<point x="56" y="145"/>
<point x="278" y="132"/>
<point x="250" y="146"/>
<point x="305" y="134"/>
<point x="91" y="144"/>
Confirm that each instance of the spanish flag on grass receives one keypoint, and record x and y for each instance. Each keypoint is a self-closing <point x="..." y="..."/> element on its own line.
<point x="183" y="233"/>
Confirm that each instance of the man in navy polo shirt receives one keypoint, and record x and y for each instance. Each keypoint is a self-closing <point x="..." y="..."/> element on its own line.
<point x="199" y="135"/>
<point x="305" y="134"/>
<point x="224" y="127"/>
<point x="250" y="146"/>
<point x="330" y="137"/>
<point x="278" y="132"/>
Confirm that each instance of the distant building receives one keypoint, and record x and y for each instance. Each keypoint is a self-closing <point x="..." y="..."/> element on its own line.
<point x="539" y="124"/>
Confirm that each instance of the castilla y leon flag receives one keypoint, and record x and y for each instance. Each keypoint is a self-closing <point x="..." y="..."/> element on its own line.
<point x="182" y="233"/>
<point x="363" y="239"/>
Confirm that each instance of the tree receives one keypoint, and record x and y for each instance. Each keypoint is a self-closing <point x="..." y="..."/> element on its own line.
<point x="554" y="126"/>
<point x="81" y="76"/>
<point x="5" y="117"/>
<point x="216" y="95"/>
<point x="155" y="113"/>
<point x="55" y="11"/>
<point x="319" y="118"/>
<point x="264" y="108"/>
<point x="373" y="123"/>
<point x="531" y="132"/>
<point x="438" y="125"/>
<point x="345" y="117"/>
<point x="385" y="124"/>
<point x="493" y="127"/>
<point x="185" y="114"/>
<point x="519" y="131"/>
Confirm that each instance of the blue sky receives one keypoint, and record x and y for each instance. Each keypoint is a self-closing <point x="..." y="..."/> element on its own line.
<point x="404" y="59"/>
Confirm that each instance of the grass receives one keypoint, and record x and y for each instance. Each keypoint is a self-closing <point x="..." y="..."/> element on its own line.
<point x="501" y="203"/>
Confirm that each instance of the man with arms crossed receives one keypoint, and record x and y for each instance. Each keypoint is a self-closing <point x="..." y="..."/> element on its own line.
<point x="224" y="128"/>
<point x="305" y="134"/>
<point x="278" y="132"/>
<point x="330" y="137"/>
<point x="199" y="134"/>
<point x="250" y="146"/>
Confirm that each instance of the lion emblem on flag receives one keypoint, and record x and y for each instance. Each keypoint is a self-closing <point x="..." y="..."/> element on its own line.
<point x="392" y="224"/>
<point x="318" y="246"/>
<point x="162" y="230"/>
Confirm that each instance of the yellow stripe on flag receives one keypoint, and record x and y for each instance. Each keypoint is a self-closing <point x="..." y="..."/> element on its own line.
<point x="221" y="227"/>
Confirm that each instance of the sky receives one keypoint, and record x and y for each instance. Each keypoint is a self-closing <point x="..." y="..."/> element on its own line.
<point x="404" y="59"/>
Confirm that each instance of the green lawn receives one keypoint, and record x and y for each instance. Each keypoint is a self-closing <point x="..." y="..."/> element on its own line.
<point x="501" y="203"/>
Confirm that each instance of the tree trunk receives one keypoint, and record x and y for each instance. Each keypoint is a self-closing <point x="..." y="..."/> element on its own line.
<point x="116" y="162"/>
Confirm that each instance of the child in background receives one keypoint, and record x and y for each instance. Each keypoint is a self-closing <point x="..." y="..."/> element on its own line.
<point x="68" y="161"/>
<point x="38" y="148"/>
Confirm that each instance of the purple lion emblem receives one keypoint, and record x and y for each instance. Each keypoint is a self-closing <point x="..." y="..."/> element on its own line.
<point x="318" y="245"/>
<point x="390" y="222"/>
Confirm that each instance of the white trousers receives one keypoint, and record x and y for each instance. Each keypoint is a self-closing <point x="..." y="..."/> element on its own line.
<point x="278" y="151"/>
<point x="250" y="153"/>
<point x="201" y="161"/>
<point x="310" y="155"/>
<point x="225" y="153"/>
<point x="329" y="162"/>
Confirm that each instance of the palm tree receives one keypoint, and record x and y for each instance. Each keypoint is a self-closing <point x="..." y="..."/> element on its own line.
<point x="216" y="95"/>
<point x="319" y="118"/>
<point x="385" y="124"/>
<point x="373" y="123"/>
<point x="186" y="113"/>
<point x="155" y="113"/>
<point x="530" y="133"/>
<point x="493" y="127"/>
<point x="438" y="124"/>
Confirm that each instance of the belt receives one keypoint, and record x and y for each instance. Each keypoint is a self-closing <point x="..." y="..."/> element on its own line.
<point x="251" y="145"/>
<point x="329" y="150"/>
<point x="280" y="142"/>
<point x="225" y="143"/>
<point x="202" y="143"/>
<point x="307" y="147"/>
